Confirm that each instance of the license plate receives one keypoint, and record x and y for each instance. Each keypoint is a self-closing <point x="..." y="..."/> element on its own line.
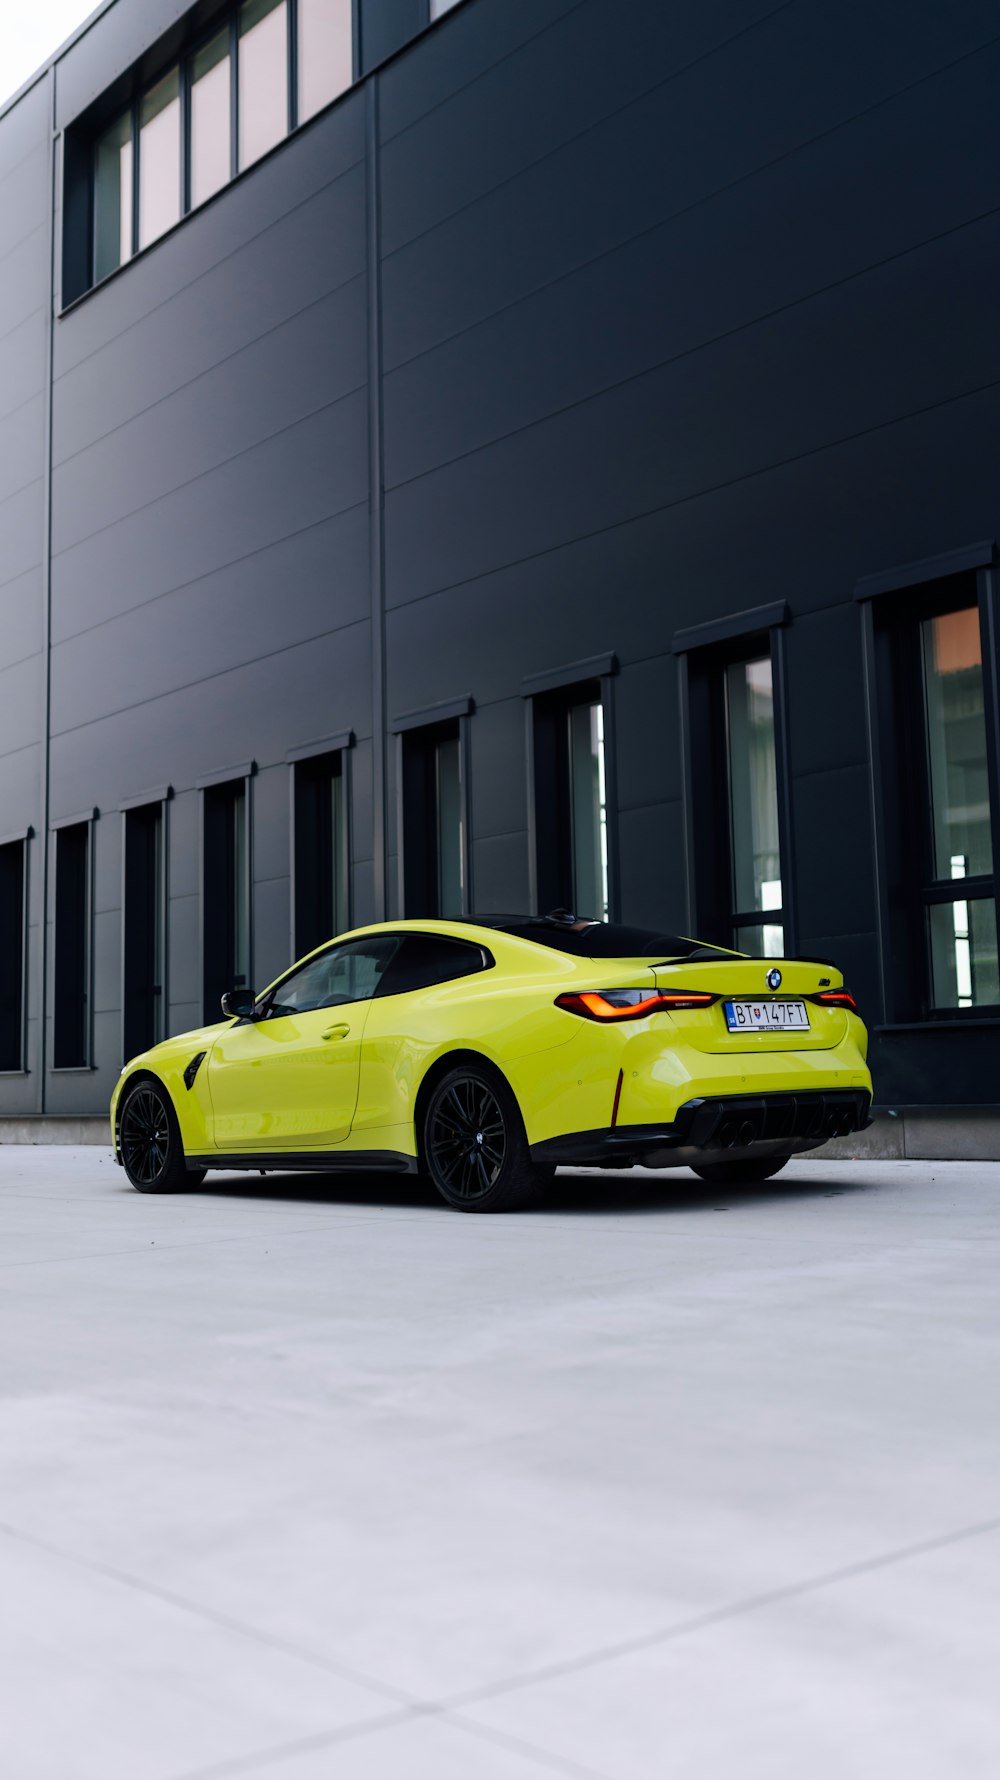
<point x="766" y="1016"/>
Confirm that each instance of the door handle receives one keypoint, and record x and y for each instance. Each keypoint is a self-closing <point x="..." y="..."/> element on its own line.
<point x="336" y="1032"/>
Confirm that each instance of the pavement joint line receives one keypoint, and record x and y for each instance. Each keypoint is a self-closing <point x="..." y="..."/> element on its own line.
<point x="368" y="1727"/>
<point x="212" y="1616"/>
<point x="720" y="1615"/>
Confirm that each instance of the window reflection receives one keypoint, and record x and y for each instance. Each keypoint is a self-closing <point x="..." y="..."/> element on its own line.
<point x="589" y="807"/>
<point x="210" y="119"/>
<point x="325" y="55"/>
<point x="160" y="158"/>
<point x="113" y="198"/>
<point x="753" y="803"/>
<point x="263" y="77"/>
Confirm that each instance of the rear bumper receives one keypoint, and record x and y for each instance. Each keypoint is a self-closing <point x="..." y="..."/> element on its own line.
<point x="735" y="1126"/>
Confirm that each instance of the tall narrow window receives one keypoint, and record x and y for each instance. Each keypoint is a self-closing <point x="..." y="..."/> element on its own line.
<point x="325" y="53"/>
<point x="962" y="921"/>
<point x="263" y="77"/>
<point x="210" y="119"/>
<point x="225" y="893"/>
<point x="321" y="900"/>
<point x="143" y="951"/>
<point x="753" y="809"/>
<point x="12" y="912"/>
<point x="160" y="158"/>
<point x="571" y="802"/>
<point x="434" y="839"/>
<point x="71" y="1038"/>
<point x="113" y="197"/>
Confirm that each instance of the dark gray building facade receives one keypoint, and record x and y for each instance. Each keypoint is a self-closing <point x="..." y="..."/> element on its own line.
<point x="543" y="453"/>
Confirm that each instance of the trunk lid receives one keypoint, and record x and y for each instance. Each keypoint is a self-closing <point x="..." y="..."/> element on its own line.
<point x="746" y="979"/>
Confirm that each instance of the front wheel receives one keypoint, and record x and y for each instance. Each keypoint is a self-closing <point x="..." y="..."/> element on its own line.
<point x="474" y="1144"/>
<point x="150" y="1140"/>
<point x="744" y="1173"/>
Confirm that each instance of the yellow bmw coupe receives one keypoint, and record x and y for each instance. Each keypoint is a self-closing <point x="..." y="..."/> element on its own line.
<point x="483" y="1052"/>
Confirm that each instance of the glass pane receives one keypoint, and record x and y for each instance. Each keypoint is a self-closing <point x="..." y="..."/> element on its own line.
<point x="439" y="7"/>
<point x="449" y="837"/>
<point x="764" y="941"/>
<point x="753" y="786"/>
<point x="964" y="953"/>
<point x="347" y="973"/>
<point x="210" y="118"/>
<point x="956" y="741"/>
<point x="263" y="74"/>
<point x="113" y="198"/>
<point x="588" y="803"/>
<point x="325" y="53"/>
<point x="160" y="158"/>
<point x="241" y="910"/>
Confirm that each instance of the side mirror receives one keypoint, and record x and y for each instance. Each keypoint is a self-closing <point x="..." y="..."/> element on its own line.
<point x="238" y="1003"/>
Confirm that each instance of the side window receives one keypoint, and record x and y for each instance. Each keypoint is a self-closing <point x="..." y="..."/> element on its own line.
<point x="424" y="959"/>
<point x="342" y="974"/>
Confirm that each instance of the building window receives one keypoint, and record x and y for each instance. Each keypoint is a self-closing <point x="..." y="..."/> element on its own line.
<point x="325" y="55"/>
<point x="263" y="77"/>
<point x="959" y="886"/>
<point x="71" y="1037"/>
<point x="571" y="801"/>
<point x="113" y="197"/>
<point x="160" y="158"/>
<point x="175" y="146"/>
<point x="754" y="841"/>
<point x="211" y="124"/>
<point x="434" y="857"/>
<point x="320" y="851"/>
<point x="13" y="866"/>
<point x="225" y="892"/>
<point x="143" y="990"/>
<point x="440" y="7"/>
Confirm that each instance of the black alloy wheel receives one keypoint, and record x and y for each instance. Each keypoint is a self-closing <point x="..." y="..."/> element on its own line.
<point x="744" y="1172"/>
<point x="474" y="1145"/>
<point x="150" y="1141"/>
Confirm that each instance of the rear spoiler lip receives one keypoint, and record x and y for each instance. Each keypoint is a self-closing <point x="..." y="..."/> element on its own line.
<point x="712" y="957"/>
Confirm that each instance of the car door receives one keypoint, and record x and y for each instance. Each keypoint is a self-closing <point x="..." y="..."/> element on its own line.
<point x="418" y="1002"/>
<point x="287" y="1078"/>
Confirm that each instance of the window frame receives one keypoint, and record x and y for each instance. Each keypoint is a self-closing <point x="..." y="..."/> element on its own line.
<point x="549" y="699"/>
<point x="217" y="782"/>
<point x="22" y="837"/>
<point x="893" y="607"/>
<point x="339" y="746"/>
<point x="86" y="821"/>
<point x="152" y="800"/>
<point x="418" y="735"/>
<point x="704" y="654"/>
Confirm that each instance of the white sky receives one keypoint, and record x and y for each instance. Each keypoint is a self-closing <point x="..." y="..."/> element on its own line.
<point x="29" y="32"/>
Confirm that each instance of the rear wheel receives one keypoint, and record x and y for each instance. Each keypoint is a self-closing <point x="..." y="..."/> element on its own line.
<point x="150" y="1140"/>
<point x="744" y="1173"/>
<point x="474" y="1145"/>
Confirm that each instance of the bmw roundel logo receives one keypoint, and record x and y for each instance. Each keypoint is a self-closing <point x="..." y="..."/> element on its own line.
<point x="774" y="979"/>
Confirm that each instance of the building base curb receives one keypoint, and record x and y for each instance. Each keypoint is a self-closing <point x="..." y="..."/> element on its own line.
<point x="953" y="1134"/>
<point x="65" y="1128"/>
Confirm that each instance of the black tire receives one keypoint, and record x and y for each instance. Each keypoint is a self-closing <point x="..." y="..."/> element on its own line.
<point x="149" y="1139"/>
<point x="745" y="1173"/>
<point x="474" y="1147"/>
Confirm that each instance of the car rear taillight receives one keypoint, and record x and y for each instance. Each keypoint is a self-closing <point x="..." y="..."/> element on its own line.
<point x="836" y="998"/>
<point x="631" y="1004"/>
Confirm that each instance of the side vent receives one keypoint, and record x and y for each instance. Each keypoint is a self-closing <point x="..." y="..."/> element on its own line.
<point x="192" y="1069"/>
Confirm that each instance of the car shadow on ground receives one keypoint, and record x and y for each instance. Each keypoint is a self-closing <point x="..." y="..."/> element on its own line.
<point x="576" y="1192"/>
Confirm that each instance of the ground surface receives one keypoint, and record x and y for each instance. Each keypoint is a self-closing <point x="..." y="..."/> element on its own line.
<point x="318" y="1481"/>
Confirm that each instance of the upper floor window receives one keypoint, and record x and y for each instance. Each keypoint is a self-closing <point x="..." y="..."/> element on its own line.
<point x="215" y="111"/>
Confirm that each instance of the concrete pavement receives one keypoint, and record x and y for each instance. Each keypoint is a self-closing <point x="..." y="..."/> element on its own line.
<point x="312" y="1478"/>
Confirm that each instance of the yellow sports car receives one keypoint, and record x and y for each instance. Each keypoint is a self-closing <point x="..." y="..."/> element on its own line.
<point x="483" y="1052"/>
